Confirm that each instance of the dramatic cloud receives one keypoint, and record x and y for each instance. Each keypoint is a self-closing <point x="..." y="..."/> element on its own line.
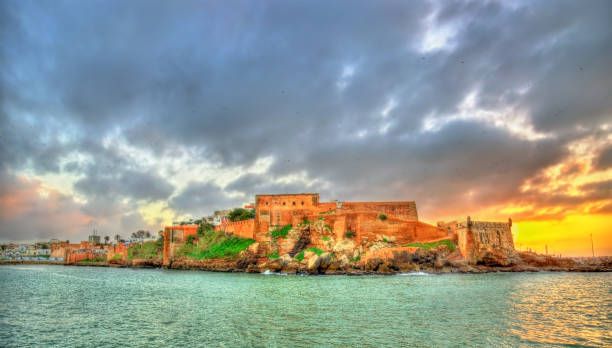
<point x="142" y="112"/>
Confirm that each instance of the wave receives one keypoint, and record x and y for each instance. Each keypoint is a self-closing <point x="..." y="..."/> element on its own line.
<point x="419" y="273"/>
<point x="268" y="272"/>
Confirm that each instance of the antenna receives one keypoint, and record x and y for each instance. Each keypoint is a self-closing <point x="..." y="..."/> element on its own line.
<point x="592" y="248"/>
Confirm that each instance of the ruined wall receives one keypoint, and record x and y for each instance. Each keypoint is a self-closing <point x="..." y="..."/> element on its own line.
<point x="368" y="227"/>
<point x="80" y="255"/>
<point x="118" y="249"/>
<point x="62" y="249"/>
<point x="174" y="237"/>
<point x="404" y="210"/>
<point x="477" y="237"/>
<point x="182" y="231"/>
<point x="244" y="229"/>
<point x="280" y="210"/>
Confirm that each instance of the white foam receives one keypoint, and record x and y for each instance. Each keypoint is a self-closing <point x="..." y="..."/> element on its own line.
<point x="416" y="274"/>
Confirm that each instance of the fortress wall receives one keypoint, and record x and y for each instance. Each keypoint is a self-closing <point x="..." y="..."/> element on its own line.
<point x="405" y="210"/>
<point x="112" y="250"/>
<point x="244" y="229"/>
<point x="370" y="226"/>
<point x="474" y="237"/>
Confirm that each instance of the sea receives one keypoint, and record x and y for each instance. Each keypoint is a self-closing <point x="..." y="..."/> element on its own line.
<point x="63" y="306"/>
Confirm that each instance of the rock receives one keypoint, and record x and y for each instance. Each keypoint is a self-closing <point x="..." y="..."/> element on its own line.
<point x="308" y="254"/>
<point x="313" y="264"/>
<point x="291" y="267"/>
<point x="344" y="246"/>
<point x="325" y="260"/>
<point x="372" y="264"/>
<point x="285" y="259"/>
<point x="356" y="253"/>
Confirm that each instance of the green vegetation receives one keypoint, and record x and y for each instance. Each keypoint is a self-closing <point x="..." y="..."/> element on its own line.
<point x="116" y="257"/>
<point x="317" y="251"/>
<point x="189" y="239"/>
<point x="304" y="223"/>
<point x="240" y="214"/>
<point x="349" y="234"/>
<point x="385" y="240"/>
<point x="215" y="245"/>
<point x="428" y="246"/>
<point x="274" y="255"/>
<point x="204" y="227"/>
<point x="329" y="228"/>
<point x="325" y="238"/>
<point x="96" y="259"/>
<point x="383" y="217"/>
<point x="146" y="250"/>
<point x="355" y="259"/>
<point x="321" y="219"/>
<point x="44" y="256"/>
<point x="300" y="256"/>
<point x="282" y="232"/>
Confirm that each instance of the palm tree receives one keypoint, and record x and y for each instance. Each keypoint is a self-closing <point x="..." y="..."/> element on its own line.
<point x="117" y="238"/>
<point x="106" y="239"/>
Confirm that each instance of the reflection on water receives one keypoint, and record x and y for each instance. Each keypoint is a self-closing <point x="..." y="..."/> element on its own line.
<point x="563" y="309"/>
<point x="91" y="307"/>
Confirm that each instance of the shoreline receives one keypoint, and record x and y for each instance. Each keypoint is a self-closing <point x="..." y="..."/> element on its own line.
<point x="352" y="272"/>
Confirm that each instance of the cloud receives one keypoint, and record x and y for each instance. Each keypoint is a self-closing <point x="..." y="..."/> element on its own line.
<point x="456" y="105"/>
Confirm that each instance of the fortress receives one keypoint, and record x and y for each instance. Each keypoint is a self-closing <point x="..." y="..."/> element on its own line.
<point x="350" y="228"/>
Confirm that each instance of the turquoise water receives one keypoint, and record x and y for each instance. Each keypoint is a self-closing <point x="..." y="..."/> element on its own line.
<point x="107" y="307"/>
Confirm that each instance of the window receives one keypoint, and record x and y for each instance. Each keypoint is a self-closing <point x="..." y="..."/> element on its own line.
<point x="284" y="203"/>
<point x="267" y="202"/>
<point x="293" y="203"/>
<point x="302" y="202"/>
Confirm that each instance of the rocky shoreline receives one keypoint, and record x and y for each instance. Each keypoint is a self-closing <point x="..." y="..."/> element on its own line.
<point x="427" y="261"/>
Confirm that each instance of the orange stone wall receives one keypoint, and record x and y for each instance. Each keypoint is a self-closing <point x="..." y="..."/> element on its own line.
<point x="244" y="229"/>
<point x="112" y="250"/>
<point x="475" y="236"/>
<point x="404" y="210"/>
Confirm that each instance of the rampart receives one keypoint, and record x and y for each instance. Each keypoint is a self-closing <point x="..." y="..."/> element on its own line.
<point x="477" y="237"/>
<point x="244" y="229"/>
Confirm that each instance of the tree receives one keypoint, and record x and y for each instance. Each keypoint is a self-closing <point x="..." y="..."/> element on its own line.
<point x="106" y="239"/>
<point x="240" y="214"/>
<point x="117" y="238"/>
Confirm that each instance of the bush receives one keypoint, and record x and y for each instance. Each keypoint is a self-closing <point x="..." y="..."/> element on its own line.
<point x="214" y="245"/>
<point x="329" y="228"/>
<point x="300" y="256"/>
<point x="431" y="245"/>
<point x="355" y="259"/>
<point x="325" y="238"/>
<point x="349" y="234"/>
<point x="146" y="250"/>
<point x="240" y="214"/>
<point x="317" y="251"/>
<point x="274" y="255"/>
<point x="282" y="232"/>
<point x="383" y="217"/>
<point x="204" y="227"/>
<point x="190" y="239"/>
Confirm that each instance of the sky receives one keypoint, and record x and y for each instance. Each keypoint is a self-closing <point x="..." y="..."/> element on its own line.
<point x="128" y="115"/>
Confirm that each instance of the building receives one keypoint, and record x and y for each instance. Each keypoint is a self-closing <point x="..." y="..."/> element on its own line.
<point x="356" y="225"/>
<point x="94" y="239"/>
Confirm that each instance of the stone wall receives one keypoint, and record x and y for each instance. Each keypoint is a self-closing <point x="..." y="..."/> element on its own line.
<point x="244" y="229"/>
<point x="404" y="210"/>
<point x="475" y="238"/>
<point x="118" y="249"/>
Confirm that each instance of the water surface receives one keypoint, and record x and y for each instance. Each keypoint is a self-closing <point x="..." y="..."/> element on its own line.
<point x="106" y="307"/>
